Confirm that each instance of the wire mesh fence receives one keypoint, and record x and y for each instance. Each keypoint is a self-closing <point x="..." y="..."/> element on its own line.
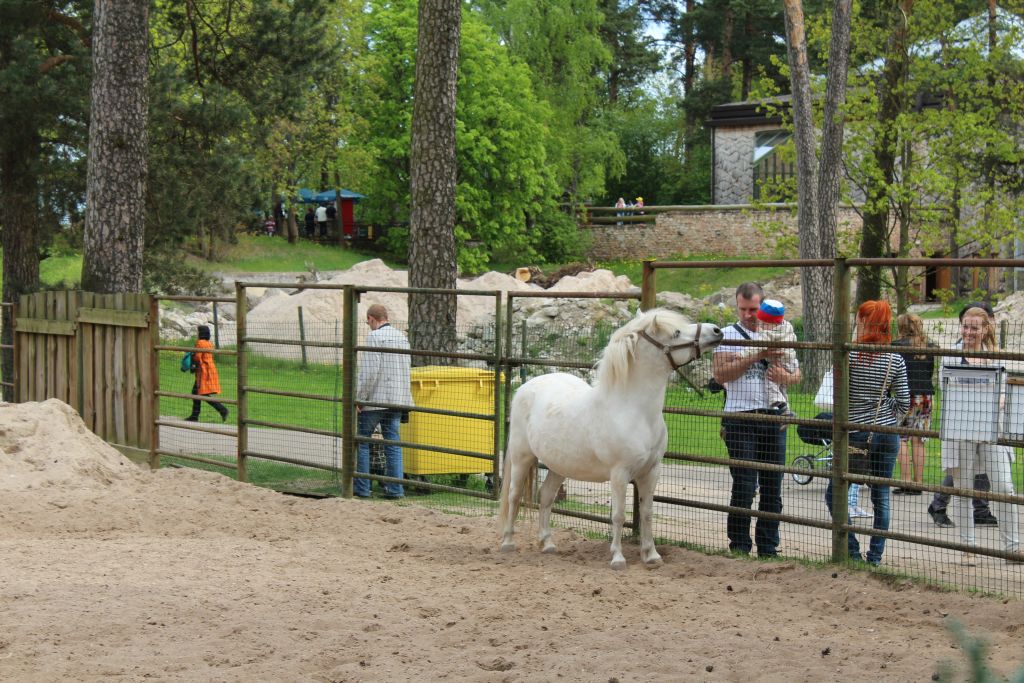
<point x="456" y="430"/>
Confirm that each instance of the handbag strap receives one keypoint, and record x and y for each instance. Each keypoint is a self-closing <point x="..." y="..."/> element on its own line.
<point x="885" y="385"/>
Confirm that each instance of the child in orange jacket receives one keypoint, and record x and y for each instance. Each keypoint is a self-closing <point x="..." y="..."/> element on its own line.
<point x="207" y="380"/>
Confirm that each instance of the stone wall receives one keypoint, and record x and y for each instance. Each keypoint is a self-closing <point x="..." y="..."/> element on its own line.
<point x="734" y="159"/>
<point x="726" y="231"/>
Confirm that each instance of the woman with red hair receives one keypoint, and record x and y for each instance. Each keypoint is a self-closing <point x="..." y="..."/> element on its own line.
<point x="879" y="395"/>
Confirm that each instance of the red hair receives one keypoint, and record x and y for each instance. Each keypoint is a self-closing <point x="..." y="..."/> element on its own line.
<point x="874" y="322"/>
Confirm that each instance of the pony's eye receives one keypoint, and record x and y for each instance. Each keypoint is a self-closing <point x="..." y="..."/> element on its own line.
<point x="677" y="334"/>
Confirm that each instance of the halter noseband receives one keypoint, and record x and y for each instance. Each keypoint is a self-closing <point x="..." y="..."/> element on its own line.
<point x="695" y="343"/>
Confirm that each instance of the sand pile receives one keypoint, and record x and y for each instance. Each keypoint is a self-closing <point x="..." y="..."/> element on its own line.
<point x="46" y="445"/>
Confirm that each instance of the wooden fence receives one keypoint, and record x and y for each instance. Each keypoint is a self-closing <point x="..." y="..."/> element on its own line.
<point x="95" y="353"/>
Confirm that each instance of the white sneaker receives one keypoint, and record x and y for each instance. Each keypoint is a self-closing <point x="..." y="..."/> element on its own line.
<point x="858" y="512"/>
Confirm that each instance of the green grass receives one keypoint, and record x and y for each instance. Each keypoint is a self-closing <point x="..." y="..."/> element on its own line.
<point x="58" y="271"/>
<point x="265" y="373"/>
<point x="697" y="282"/>
<point x="262" y="254"/>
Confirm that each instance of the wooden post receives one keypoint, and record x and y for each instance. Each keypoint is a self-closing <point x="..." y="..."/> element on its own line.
<point x="840" y="408"/>
<point x="302" y="336"/>
<point x="154" y="383"/>
<point x="242" y="365"/>
<point x="216" y="328"/>
<point x="348" y="387"/>
<point x="648" y="292"/>
<point x="498" y="394"/>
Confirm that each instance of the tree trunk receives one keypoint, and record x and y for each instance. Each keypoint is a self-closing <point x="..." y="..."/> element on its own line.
<point x="116" y="185"/>
<point x="432" y="257"/>
<point x="806" y="172"/>
<point x="18" y="193"/>
<point x="689" y="54"/>
<point x="817" y="187"/>
<point x="892" y="102"/>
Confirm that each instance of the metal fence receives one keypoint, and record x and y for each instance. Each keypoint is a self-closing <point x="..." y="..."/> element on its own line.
<point x="292" y="425"/>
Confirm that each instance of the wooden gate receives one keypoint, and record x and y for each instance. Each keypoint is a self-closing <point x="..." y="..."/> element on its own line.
<point x="95" y="353"/>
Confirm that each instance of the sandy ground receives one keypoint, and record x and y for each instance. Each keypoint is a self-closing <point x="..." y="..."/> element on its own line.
<point x="112" y="572"/>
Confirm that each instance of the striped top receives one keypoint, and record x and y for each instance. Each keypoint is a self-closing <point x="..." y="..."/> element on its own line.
<point x="867" y="377"/>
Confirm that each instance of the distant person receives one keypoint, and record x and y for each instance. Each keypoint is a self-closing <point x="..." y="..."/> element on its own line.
<point x="963" y="459"/>
<point x="879" y="395"/>
<point x="920" y="370"/>
<point x="269" y="227"/>
<point x="207" y="380"/>
<point x="383" y="378"/>
<point x="321" y="219"/>
<point x="938" y="508"/>
<point x="310" y="223"/>
<point x="332" y="217"/>
<point x="619" y="206"/>
<point x="639" y="204"/>
<point x="747" y="379"/>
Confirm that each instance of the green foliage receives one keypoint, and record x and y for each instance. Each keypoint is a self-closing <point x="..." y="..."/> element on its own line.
<point x="506" y="187"/>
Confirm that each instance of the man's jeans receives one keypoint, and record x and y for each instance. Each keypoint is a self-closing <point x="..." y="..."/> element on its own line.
<point x="389" y="421"/>
<point x="883" y="449"/>
<point x="758" y="442"/>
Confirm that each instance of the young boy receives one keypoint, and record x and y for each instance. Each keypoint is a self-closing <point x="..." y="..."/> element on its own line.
<point x="774" y="327"/>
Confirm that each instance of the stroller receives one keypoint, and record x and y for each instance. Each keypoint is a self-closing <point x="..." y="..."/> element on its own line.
<point x="821" y="460"/>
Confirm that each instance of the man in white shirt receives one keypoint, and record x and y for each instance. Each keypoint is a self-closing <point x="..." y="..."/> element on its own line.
<point x="321" y="219"/>
<point x="383" y="378"/>
<point x="746" y="379"/>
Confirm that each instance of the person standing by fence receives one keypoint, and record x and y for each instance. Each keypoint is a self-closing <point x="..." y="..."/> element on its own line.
<point x="920" y="370"/>
<point x="207" y="380"/>
<point x="879" y="395"/>
<point x="746" y="379"/>
<point x="962" y="459"/>
<point x="938" y="508"/>
<point x="383" y="378"/>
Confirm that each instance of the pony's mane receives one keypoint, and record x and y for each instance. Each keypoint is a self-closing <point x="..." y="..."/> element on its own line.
<point x="613" y="366"/>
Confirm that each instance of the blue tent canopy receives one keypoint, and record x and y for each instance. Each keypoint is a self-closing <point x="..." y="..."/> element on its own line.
<point x="307" y="196"/>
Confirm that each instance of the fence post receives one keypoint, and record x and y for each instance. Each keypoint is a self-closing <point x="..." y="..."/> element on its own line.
<point x="302" y="336"/>
<point x="840" y="408"/>
<point x="242" y="366"/>
<point x="216" y="328"/>
<point x="348" y="385"/>
<point x="154" y="369"/>
<point x="647" y="286"/>
<point x="498" y="394"/>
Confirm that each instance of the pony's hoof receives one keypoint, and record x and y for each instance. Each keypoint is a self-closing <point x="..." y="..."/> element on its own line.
<point x="653" y="562"/>
<point x="618" y="564"/>
<point x="508" y="547"/>
<point x="549" y="549"/>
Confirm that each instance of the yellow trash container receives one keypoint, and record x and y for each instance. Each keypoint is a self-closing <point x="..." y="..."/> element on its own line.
<point x="468" y="390"/>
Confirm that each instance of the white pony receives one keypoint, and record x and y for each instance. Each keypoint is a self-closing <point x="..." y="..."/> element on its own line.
<point x="612" y="431"/>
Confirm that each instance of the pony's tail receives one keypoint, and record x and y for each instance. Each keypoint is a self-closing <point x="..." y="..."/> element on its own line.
<point x="506" y="505"/>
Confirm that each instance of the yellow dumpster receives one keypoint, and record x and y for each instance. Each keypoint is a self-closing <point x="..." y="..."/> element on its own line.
<point x="467" y="390"/>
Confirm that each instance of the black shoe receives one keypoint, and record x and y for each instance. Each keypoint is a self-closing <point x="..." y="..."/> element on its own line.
<point x="191" y="418"/>
<point x="941" y="518"/>
<point x="986" y="520"/>
<point x="224" y="416"/>
<point x="900" y="492"/>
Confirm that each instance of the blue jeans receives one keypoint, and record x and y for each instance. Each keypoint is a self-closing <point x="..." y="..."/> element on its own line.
<point x="389" y="421"/>
<point x="883" y="449"/>
<point x="757" y="442"/>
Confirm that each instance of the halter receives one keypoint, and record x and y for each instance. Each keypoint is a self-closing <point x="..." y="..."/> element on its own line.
<point x="695" y="343"/>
